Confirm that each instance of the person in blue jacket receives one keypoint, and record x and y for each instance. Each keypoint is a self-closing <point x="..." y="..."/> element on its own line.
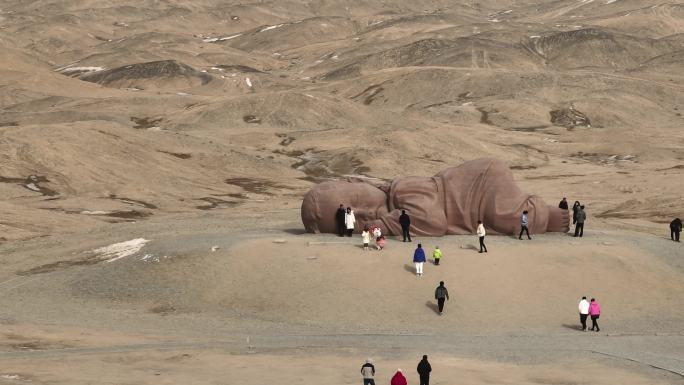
<point x="419" y="259"/>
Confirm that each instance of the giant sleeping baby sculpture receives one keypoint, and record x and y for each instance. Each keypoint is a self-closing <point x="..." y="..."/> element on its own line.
<point x="450" y="202"/>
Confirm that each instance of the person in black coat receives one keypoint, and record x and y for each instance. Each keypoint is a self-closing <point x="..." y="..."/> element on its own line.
<point x="405" y="223"/>
<point x="339" y="220"/>
<point x="575" y="209"/>
<point x="675" y="229"/>
<point x="563" y="204"/>
<point x="424" y="370"/>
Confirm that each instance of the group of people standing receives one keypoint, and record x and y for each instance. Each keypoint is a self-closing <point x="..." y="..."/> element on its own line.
<point x="376" y="233"/>
<point x="578" y="218"/>
<point x="578" y="215"/>
<point x="424" y="369"/>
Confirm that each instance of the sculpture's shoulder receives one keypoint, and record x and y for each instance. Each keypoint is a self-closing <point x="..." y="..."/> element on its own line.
<point x="475" y="167"/>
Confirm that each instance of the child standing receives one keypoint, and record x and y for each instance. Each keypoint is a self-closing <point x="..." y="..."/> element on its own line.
<point x="380" y="242"/>
<point x="365" y="236"/>
<point x="437" y="255"/>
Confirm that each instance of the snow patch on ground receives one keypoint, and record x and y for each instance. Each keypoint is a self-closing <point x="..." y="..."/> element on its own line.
<point x="215" y="39"/>
<point x="152" y="258"/>
<point x="249" y="82"/>
<point x="120" y="250"/>
<point x="271" y="27"/>
<point x="10" y="376"/>
<point x="68" y="70"/>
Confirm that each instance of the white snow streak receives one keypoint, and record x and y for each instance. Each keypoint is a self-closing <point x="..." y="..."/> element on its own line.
<point x="80" y="69"/>
<point x="271" y="27"/>
<point x="214" y="39"/>
<point x="120" y="250"/>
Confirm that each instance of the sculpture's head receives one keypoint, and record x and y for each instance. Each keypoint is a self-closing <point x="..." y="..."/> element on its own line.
<point x="321" y="202"/>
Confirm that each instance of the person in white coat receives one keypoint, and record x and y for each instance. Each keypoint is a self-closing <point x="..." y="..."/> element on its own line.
<point x="349" y="221"/>
<point x="481" y="234"/>
<point x="584" y="312"/>
<point x="365" y="236"/>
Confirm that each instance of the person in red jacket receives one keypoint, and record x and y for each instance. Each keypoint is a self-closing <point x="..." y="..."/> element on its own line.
<point x="398" y="378"/>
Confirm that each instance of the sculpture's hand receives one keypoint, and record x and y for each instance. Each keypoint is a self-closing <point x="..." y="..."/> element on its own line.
<point x="559" y="220"/>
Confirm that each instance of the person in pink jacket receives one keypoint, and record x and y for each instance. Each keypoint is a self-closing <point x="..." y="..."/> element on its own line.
<point x="594" y="313"/>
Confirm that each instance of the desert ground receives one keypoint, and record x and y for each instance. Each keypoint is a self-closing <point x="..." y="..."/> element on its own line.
<point x="154" y="154"/>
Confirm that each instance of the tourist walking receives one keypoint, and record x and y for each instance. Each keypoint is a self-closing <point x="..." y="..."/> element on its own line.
<point x="349" y="221"/>
<point x="563" y="204"/>
<point x="481" y="235"/>
<point x="365" y="237"/>
<point x="368" y="372"/>
<point x="675" y="229"/>
<point x="523" y="225"/>
<point x="441" y="295"/>
<point x="419" y="259"/>
<point x="424" y="370"/>
<point x="405" y="223"/>
<point x="583" y="312"/>
<point x="437" y="255"/>
<point x="579" y="226"/>
<point x="339" y="220"/>
<point x="398" y="378"/>
<point x="575" y="209"/>
<point x="594" y="313"/>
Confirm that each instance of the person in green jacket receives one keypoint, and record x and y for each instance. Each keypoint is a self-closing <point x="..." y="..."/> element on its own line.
<point x="437" y="255"/>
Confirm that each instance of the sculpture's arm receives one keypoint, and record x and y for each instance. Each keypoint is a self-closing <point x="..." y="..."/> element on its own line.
<point x="423" y="200"/>
<point x="484" y="189"/>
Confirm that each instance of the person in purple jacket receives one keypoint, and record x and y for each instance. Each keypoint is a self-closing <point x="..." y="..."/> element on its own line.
<point x="419" y="259"/>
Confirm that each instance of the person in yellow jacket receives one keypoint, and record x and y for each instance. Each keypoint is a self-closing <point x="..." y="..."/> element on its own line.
<point x="481" y="234"/>
<point x="437" y="255"/>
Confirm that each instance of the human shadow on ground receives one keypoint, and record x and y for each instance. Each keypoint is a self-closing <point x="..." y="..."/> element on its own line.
<point x="295" y="231"/>
<point x="471" y="247"/>
<point x="433" y="306"/>
<point x="410" y="268"/>
<point x="577" y="328"/>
